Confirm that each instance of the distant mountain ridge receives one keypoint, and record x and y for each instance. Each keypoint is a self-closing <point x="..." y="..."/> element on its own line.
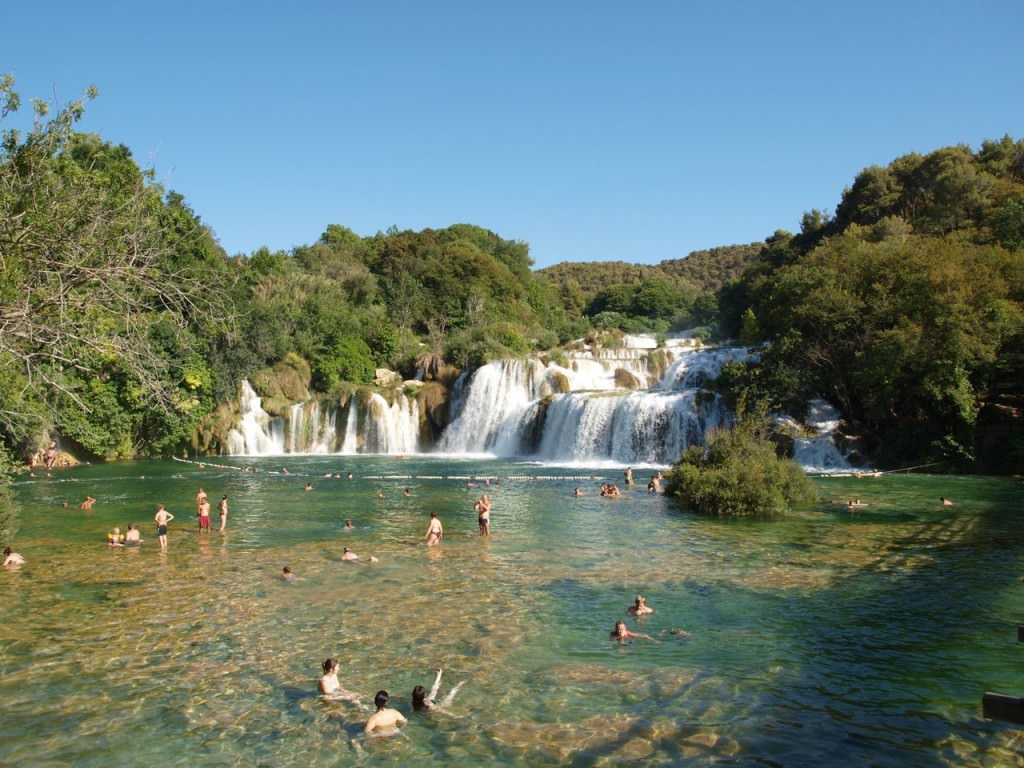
<point x="699" y="272"/>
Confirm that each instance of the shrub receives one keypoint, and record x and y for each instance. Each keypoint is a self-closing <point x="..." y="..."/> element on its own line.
<point x="739" y="473"/>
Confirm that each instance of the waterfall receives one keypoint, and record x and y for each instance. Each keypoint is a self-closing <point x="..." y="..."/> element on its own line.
<point x="580" y="413"/>
<point x="312" y="427"/>
<point x="392" y="428"/>
<point x="257" y="434"/>
<point x="819" y="453"/>
<point x="635" y="404"/>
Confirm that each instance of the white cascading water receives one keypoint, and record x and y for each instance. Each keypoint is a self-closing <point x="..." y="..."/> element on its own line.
<point x="629" y="405"/>
<point x="819" y="453"/>
<point x="257" y="434"/>
<point x="520" y="407"/>
<point x="376" y="427"/>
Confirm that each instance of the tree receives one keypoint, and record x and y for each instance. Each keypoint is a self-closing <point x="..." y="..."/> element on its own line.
<point x="92" y="259"/>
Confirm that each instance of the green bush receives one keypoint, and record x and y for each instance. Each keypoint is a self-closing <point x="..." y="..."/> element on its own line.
<point x="348" y="359"/>
<point x="739" y="474"/>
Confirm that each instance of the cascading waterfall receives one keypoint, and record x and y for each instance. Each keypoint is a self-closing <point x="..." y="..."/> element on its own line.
<point x="578" y="413"/>
<point x="636" y="404"/>
<point x="819" y="453"/>
<point x="311" y="427"/>
<point x="257" y="434"/>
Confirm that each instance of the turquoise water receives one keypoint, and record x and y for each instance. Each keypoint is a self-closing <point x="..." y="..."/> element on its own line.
<point x="821" y="638"/>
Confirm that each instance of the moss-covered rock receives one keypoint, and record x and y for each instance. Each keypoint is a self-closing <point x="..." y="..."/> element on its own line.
<point x="434" y="398"/>
<point x="627" y="380"/>
<point x="284" y="384"/>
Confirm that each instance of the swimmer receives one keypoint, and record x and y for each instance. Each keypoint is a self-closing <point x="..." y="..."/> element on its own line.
<point x="348" y="525"/>
<point x="132" y="535"/>
<point x="421" y="700"/>
<point x="222" y="508"/>
<point x="287" y="575"/>
<point x="162" y="517"/>
<point x="628" y="474"/>
<point x="682" y="634"/>
<point x="349" y="556"/>
<point x="621" y="633"/>
<point x="577" y="493"/>
<point x="309" y="486"/>
<point x="945" y="502"/>
<point x="380" y="493"/>
<point x="640" y="607"/>
<point x="406" y="493"/>
<point x="329" y="685"/>
<point x="200" y="498"/>
<point x="12" y="558"/>
<point x="435" y="531"/>
<point x="87" y="504"/>
<point x="115" y="539"/>
<point x="384" y="721"/>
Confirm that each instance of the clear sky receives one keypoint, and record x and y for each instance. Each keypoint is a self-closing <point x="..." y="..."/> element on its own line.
<point x="591" y="129"/>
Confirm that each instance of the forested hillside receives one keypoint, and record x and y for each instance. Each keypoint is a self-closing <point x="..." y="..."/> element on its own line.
<point x="905" y="309"/>
<point x="125" y="329"/>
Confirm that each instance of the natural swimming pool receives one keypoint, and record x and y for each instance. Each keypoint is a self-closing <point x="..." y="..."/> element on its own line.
<point x="819" y="638"/>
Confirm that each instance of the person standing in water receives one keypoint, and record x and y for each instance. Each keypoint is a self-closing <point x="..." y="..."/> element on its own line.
<point x="483" y="511"/>
<point x="163" y="517"/>
<point x="204" y="515"/>
<point x="330" y="687"/>
<point x="434" y="530"/>
<point x="222" y="507"/>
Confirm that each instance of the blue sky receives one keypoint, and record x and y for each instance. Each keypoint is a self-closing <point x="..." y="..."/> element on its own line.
<point x="599" y="130"/>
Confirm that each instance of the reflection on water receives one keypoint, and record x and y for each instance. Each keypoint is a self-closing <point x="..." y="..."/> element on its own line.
<point x="820" y="638"/>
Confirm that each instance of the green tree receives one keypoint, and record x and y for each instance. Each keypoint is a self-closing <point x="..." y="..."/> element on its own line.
<point x="94" y="257"/>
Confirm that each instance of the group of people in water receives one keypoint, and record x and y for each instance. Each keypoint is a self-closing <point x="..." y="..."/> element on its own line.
<point x="385" y="719"/>
<point x="162" y="518"/>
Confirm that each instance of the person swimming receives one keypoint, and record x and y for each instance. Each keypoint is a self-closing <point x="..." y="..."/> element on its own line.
<point x="422" y="701"/>
<point x="12" y="558"/>
<point x="622" y="633"/>
<point x="640" y="607"/>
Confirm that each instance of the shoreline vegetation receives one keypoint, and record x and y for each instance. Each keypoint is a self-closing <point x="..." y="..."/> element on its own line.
<point x="127" y="329"/>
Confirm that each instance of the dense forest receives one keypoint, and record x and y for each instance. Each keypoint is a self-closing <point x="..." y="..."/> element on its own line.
<point x="125" y="328"/>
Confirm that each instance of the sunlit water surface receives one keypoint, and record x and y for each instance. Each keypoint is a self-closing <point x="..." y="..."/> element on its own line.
<point x="820" y="638"/>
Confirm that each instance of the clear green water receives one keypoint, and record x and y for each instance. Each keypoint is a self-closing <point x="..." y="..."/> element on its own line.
<point x="817" y="639"/>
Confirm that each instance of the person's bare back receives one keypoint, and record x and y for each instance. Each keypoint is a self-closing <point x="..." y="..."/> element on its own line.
<point x="384" y="721"/>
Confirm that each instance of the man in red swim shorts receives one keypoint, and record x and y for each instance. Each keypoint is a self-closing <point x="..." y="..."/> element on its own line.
<point x="204" y="515"/>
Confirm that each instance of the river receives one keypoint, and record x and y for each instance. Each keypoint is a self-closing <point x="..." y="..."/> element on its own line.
<point x="817" y="638"/>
